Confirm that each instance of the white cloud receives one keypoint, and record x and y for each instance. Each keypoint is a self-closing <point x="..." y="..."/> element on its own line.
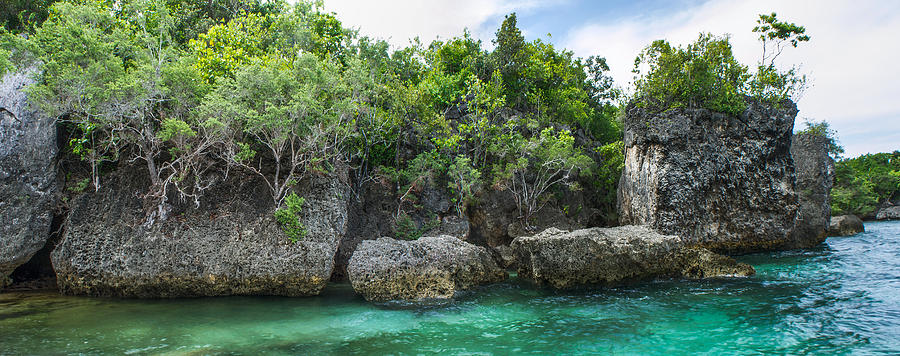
<point x="398" y="21"/>
<point x="851" y="56"/>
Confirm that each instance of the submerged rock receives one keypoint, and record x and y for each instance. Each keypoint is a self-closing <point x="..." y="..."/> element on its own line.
<point x="425" y="269"/>
<point x="721" y="182"/>
<point x="27" y="174"/>
<point x="613" y="256"/>
<point x="815" y="176"/>
<point x="888" y="213"/>
<point x="845" y="225"/>
<point x="231" y="245"/>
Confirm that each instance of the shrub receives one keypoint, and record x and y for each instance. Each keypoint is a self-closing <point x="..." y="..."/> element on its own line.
<point x="702" y="74"/>
<point x="288" y="217"/>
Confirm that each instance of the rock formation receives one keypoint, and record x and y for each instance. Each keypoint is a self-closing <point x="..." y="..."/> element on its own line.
<point x="722" y="182"/>
<point x="430" y="268"/>
<point x="27" y="174"/>
<point x="891" y="212"/>
<point x="612" y="256"/>
<point x="815" y="175"/>
<point x="230" y="245"/>
<point x="845" y="225"/>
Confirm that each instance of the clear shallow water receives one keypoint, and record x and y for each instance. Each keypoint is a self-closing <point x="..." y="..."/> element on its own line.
<point x="841" y="298"/>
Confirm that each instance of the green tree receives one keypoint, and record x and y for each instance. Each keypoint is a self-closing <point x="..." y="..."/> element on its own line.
<point x="24" y="15"/>
<point x="536" y="165"/>
<point x="702" y="74"/>
<point x="768" y="82"/>
<point x="823" y="129"/>
<point x="465" y="181"/>
<point x="293" y="112"/>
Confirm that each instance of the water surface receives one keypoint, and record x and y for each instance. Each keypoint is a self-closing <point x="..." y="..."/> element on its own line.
<point x="840" y="298"/>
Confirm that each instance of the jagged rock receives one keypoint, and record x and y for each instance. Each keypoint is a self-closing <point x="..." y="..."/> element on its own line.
<point x="430" y="268"/>
<point x="507" y="256"/>
<point x="888" y="213"/>
<point x="231" y="245"/>
<point x="27" y="174"/>
<point x="722" y="182"/>
<point x="491" y="218"/>
<point x="495" y="220"/>
<point x="815" y="175"/>
<point x="371" y="214"/>
<point x="845" y="225"/>
<point x="612" y="256"/>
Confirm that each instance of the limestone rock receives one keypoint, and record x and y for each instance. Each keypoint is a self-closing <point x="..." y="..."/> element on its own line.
<point x="231" y="245"/>
<point x="613" y="256"/>
<point x="719" y="181"/>
<point x="815" y="176"/>
<point x="845" y="225"/>
<point x="888" y="213"/>
<point x="27" y="174"/>
<point x="430" y="268"/>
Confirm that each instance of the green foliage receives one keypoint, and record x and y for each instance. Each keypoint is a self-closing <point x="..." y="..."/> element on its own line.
<point x="79" y="186"/>
<point x="822" y="129"/>
<point x="405" y="228"/>
<point x="702" y="74"/>
<point x="606" y="181"/>
<point x="768" y="82"/>
<point x="224" y="48"/>
<point x="195" y="89"/>
<point x="19" y="16"/>
<point x="705" y="74"/>
<point x="465" y="180"/>
<point x="861" y="183"/>
<point x="537" y="164"/>
<point x="775" y="34"/>
<point x="293" y="110"/>
<point x="288" y="217"/>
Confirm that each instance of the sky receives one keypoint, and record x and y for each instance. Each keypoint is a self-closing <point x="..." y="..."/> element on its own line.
<point x="851" y="59"/>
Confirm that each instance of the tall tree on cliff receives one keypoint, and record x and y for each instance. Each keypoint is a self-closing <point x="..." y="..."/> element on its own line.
<point x="510" y="57"/>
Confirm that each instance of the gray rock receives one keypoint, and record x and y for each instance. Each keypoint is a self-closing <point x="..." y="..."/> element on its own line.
<point x="815" y="176"/>
<point x="613" y="256"/>
<point x="888" y="213"/>
<point x="430" y="268"/>
<point x="721" y="182"/>
<point x="27" y="174"/>
<point x="231" y="245"/>
<point x="845" y="225"/>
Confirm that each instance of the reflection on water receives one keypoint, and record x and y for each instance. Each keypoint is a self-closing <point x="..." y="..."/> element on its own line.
<point x="843" y="297"/>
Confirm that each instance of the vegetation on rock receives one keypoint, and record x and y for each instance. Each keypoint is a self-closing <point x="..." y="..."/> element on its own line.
<point x="283" y="92"/>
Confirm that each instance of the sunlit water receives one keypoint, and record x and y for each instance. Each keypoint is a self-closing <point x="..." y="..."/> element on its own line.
<point x="843" y="297"/>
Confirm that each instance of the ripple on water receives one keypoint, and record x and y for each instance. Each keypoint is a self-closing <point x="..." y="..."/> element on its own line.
<point x="842" y="297"/>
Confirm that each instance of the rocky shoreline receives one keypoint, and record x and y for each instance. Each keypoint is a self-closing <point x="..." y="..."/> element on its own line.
<point x="696" y="183"/>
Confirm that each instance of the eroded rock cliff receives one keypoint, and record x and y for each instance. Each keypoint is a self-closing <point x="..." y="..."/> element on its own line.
<point x="27" y="174"/>
<point x="815" y="175"/>
<point x="230" y="245"/>
<point x="722" y="182"/>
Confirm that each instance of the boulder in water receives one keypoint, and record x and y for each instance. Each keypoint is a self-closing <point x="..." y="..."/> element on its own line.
<point x="845" y="225"/>
<point x="613" y="256"/>
<point x="430" y="268"/>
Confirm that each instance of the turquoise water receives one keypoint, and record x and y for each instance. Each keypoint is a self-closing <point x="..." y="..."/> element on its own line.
<point x="841" y="298"/>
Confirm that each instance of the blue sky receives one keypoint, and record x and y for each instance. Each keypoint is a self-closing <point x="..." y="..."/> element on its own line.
<point x="851" y="59"/>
